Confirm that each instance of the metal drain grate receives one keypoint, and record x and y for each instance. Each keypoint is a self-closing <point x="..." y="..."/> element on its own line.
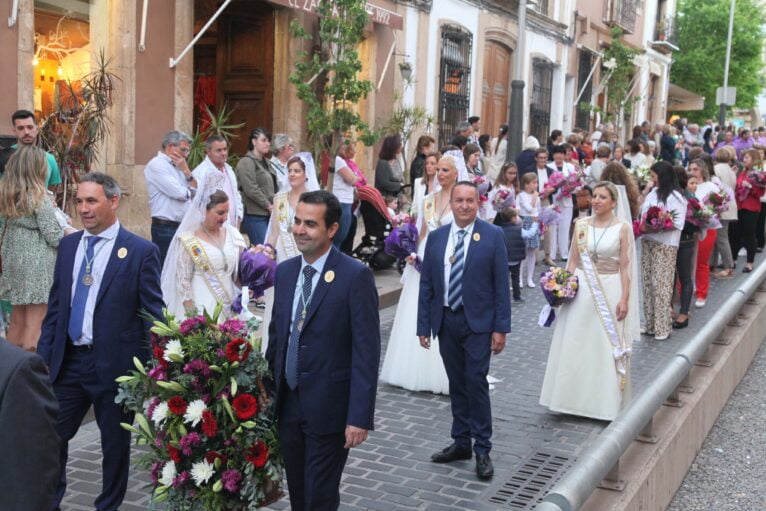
<point x="528" y="485"/>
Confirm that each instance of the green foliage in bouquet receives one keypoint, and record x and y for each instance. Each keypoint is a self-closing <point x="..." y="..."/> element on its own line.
<point x="202" y="409"/>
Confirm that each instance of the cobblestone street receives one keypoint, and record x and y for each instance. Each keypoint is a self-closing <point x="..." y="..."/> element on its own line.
<point x="392" y="470"/>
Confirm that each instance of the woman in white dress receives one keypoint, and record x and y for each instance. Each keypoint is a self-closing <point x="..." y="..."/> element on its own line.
<point x="203" y="258"/>
<point x="301" y="177"/>
<point x="588" y="369"/>
<point x="406" y="363"/>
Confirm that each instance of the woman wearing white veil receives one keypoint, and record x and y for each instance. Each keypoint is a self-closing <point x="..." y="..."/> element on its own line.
<point x="588" y="368"/>
<point x="201" y="266"/>
<point x="301" y="177"/>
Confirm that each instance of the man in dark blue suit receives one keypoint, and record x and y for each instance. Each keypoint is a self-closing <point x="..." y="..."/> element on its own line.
<point x="324" y="352"/>
<point x="465" y="300"/>
<point x="104" y="278"/>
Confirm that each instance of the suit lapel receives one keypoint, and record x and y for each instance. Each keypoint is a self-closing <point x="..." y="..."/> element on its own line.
<point x="473" y="243"/>
<point x="322" y="286"/>
<point x="114" y="262"/>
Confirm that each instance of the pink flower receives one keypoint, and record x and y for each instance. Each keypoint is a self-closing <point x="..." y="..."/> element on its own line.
<point x="190" y="324"/>
<point x="232" y="326"/>
<point x="188" y="441"/>
<point x="158" y="373"/>
<point x="231" y="479"/>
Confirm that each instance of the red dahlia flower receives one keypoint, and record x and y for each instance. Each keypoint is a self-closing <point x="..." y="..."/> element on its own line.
<point x="245" y="406"/>
<point x="258" y="454"/>
<point x="177" y="405"/>
<point x="237" y="350"/>
<point x="175" y="454"/>
<point x="209" y="424"/>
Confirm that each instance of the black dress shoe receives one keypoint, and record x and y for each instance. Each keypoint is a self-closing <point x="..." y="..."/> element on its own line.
<point x="746" y="270"/>
<point x="681" y="324"/>
<point x="484" y="468"/>
<point x="452" y="453"/>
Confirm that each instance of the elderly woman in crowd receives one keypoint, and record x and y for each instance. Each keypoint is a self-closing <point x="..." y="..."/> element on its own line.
<point x="282" y="148"/>
<point x="699" y="169"/>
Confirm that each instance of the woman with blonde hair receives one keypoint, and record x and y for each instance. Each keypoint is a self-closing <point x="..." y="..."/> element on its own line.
<point x="29" y="236"/>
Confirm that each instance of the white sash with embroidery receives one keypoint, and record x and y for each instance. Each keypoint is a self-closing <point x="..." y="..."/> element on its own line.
<point x="201" y="261"/>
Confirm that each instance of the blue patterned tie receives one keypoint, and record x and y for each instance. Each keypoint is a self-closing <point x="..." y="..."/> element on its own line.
<point x="455" y="296"/>
<point x="291" y="364"/>
<point x="77" y="312"/>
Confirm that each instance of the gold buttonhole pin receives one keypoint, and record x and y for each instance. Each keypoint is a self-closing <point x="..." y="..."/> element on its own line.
<point x="329" y="276"/>
<point x="476" y="236"/>
<point x="122" y="253"/>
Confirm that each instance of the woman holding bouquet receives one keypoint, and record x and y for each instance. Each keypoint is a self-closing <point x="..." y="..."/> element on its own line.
<point x="728" y="182"/>
<point x="588" y="369"/>
<point x="201" y="267"/>
<point x="658" y="250"/>
<point x="748" y="196"/>
<point x="406" y="363"/>
<point x="301" y="177"/>
<point x="699" y="169"/>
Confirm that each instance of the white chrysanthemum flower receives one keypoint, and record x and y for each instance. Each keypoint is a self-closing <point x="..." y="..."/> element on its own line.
<point x="201" y="472"/>
<point x="168" y="474"/>
<point x="194" y="412"/>
<point x="160" y="413"/>
<point x="173" y="348"/>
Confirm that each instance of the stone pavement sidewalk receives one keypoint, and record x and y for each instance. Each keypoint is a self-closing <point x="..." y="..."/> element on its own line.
<point x="392" y="471"/>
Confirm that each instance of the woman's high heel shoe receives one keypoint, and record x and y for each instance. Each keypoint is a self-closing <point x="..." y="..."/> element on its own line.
<point x="681" y="324"/>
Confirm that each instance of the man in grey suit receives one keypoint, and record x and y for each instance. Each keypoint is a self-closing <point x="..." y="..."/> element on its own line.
<point x="29" y="445"/>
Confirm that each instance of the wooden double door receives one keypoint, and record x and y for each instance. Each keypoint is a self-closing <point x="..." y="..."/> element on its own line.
<point x="239" y="52"/>
<point x="496" y="87"/>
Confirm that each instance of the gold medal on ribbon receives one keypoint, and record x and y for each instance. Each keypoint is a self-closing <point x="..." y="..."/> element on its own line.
<point x="329" y="276"/>
<point x="122" y="253"/>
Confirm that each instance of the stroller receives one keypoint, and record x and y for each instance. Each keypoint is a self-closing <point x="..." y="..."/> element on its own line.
<point x="377" y="225"/>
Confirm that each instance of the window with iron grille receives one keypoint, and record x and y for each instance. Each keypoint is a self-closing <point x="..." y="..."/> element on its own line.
<point x="454" y="81"/>
<point x="540" y="107"/>
<point x="622" y="13"/>
<point x="584" y="66"/>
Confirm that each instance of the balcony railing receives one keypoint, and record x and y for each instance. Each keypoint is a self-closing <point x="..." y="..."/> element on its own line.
<point x="666" y="31"/>
<point x="621" y="13"/>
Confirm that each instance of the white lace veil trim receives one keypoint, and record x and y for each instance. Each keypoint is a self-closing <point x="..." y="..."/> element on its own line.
<point x="311" y="182"/>
<point x="207" y="184"/>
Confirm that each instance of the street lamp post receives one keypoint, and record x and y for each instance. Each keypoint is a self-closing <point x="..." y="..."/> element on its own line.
<point x="722" y="111"/>
<point x="516" y="110"/>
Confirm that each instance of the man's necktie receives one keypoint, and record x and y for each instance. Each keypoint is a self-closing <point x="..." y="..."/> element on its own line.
<point x="455" y="296"/>
<point x="291" y="363"/>
<point x="77" y="312"/>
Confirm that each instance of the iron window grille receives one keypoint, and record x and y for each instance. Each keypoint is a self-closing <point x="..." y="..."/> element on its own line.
<point x="622" y="13"/>
<point x="540" y="107"/>
<point x="454" y="81"/>
<point x="584" y="66"/>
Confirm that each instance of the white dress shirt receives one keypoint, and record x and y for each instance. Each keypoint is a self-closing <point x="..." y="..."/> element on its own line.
<point x="450" y="250"/>
<point x="101" y="253"/>
<point x="318" y="265"/>
<point x="169" y="192"/>
<point x="236" y="209"/>
<point x="281" y="171"/>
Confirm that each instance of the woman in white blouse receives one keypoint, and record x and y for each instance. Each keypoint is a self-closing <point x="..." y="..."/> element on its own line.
<point x="658" y="252"/>
<point x="728" y="182"/>
<point x="699" y="169"/>
<point x="347" y="177"/>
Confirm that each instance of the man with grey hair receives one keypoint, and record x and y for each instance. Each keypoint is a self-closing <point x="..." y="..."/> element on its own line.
<point x="106" y="281"/>
<point x="171" y="186"/>
<point x="283" y="149"/>
<point x="216" y="156"/>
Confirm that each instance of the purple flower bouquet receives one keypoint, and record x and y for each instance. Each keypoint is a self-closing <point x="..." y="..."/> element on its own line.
<point x="403" y="242"/>
<point x="503" y="199"/>
<point x="256" y="271"/>
<point x="559" y="287"/>
<point x="549" y="216"/>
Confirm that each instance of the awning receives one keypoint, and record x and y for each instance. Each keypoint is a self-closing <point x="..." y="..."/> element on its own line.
<point x="377" y="14"/>
<point x="682" y="99"/>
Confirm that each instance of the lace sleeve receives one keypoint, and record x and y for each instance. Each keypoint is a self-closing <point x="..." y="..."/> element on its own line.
<point x="185" y="273"/>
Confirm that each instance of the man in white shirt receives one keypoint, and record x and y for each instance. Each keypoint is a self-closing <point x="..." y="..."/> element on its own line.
<point x="543" y="173"/>
<point x="171" y="186"/>
<point x="560" y="236"/>
<point x="217" y="152"/>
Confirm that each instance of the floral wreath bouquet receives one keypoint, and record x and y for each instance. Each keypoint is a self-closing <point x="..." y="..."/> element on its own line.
<point x="755" y="178"/>
<point x="556" y="180"/>
<point x="571" y="184"/>
<point x="549" y="216"/>
<point x="641" y="173"/>
<point x="503" y="199"/>
<point x="559" y="287"/>
<point x="201" y="407"/>
<point x="657" y="219"/>
<point x="719" y="201"/>
<point x="702" y="214"/>
<point x="402" y="241"/>
<point x="257" y="270"/>
<point x="482" y="184"/>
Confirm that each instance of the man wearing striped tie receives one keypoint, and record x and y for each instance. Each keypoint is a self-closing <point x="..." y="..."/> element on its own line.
<point x="465" y="300"/>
